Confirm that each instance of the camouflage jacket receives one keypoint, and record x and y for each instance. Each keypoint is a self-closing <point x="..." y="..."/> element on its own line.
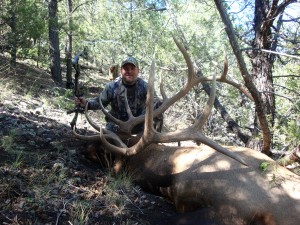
<point x="114" y="94"/>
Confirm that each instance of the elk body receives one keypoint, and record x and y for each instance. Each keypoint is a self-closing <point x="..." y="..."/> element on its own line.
<point x="226" y="180"/>
<point x="199" y="177"/>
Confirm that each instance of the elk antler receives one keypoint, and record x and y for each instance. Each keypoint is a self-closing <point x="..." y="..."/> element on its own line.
<point x="107" y="133"/>
<point x="150" y="135"/>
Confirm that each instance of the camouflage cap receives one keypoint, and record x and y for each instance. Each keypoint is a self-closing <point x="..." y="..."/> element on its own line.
<point x="130" y="60"/>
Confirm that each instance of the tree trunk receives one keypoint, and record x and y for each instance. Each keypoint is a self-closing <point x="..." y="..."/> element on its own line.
<point x="54" y="42"/>
<point x="262" y="74"/>
<point x="13" y="35"/>
<point x="262" y="62"/>
<point x="248" y="79"/>
<point x="69" y="49"/>
<point x="265" y="38"/>
<point x="69" y="82"/>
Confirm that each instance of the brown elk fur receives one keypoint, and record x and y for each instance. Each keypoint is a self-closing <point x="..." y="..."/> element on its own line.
<point x="198" y="177"/>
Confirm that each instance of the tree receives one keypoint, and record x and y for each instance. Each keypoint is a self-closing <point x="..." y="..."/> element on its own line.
<point x="265" y="38"/>
<point x="10" y="19"/>
<point x="54" y="49"/>
<point x="21" y="31"/>
<point x="69" y="46"/>
<point x="260" y="81"/>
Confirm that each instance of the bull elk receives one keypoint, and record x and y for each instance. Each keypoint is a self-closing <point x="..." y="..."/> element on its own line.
<point x="231" y="185"/>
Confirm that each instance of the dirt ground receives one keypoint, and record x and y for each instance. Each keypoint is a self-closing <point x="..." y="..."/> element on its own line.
<point x="45" y="178"/>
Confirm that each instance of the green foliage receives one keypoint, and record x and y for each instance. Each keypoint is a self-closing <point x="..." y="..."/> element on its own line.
<point x="264" y="166"/>
<point x="116" y="187"/>
<point x="8" y="142"/>
<point x="18" y="160"/>
<point x="287" y="133"/>
<point x="293" y="131"/>
<point x="61" y="98"/>
<point x="79" y="211"/>
<point x="29" y="28"/>
<point x="286" y="129"/>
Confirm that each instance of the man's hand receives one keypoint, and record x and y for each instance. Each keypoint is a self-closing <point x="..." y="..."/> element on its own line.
<point x="80" y="101"/>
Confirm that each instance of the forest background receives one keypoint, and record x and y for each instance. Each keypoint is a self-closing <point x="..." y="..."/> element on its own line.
<point x="260" y="40"/>
<point x="44" y="179"/>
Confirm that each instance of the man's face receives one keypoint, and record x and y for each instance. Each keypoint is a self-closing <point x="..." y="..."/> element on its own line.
<point x="129" y="73"/>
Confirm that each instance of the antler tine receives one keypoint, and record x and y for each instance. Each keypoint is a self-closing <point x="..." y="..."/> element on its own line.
<point x="112" y="148"/>
<point x="162" y="90"/>
<point x="208" y="107"/>
<point x="191" y="81"/>
<point x="106" y="113"/>
<point x="223" y="78"/>
<point x="191" y="71"/>
<point x="107" y="135"/>
<point x="84" y="137"/>
<point x="128" y="110"/>
<point x="124" y="126"/>
<point x="88" y="118"/>
<point x="92" y="123"/>
<point x="148" y="129"/>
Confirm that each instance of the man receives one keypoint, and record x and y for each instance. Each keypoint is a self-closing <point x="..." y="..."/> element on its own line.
<point x="114" y="94"/>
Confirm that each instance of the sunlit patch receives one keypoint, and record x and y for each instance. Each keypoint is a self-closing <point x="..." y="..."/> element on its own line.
<point x="293" y="187"/>
<point x="186" y="159"/>
<point x="242" y="195"/>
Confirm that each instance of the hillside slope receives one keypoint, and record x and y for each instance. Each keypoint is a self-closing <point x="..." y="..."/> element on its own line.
<point x="44" y="177"/>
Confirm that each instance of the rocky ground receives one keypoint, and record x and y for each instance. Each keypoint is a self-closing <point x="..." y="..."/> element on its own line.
<point x="44" y="177"/>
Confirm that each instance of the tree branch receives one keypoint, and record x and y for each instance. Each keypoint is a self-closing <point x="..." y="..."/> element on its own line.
<point x="286" y="76"/>
<point x="246" y="76"/>
<point x="269" y="51"/>
<point x="290" y="90"/>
